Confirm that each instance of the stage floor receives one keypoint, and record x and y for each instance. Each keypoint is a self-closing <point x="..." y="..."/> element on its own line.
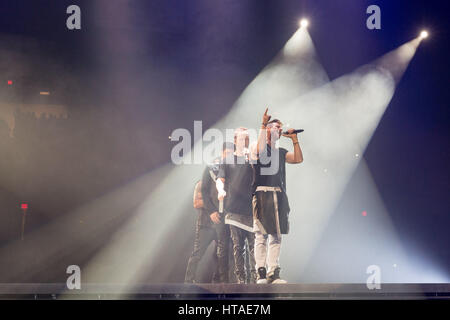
<point x="226" y="291"/>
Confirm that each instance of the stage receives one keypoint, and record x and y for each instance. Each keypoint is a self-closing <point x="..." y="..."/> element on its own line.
<point x="336" y="291"/>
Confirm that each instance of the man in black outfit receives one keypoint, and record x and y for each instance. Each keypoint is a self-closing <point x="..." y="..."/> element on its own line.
<point x="234" y="184"/>
<point x="210" y="226"/>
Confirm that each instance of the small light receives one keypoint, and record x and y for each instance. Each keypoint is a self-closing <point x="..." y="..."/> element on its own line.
<point x="357" y="155"/>
<point x="10" y="82"/>
<point x="325" y="170"/>
<point x="364" y="213"/>
<point x="44" y="93"/>
<point x="304" y="23"/>
<point x="24" y="206"/>
<point x="424" y="34"/>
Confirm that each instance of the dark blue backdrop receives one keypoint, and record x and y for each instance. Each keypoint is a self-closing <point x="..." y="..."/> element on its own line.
<point x="193" y="61"/>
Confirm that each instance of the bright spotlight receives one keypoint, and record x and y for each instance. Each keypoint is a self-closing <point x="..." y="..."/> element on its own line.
<point x="303" y="23"/>
<point x="424" y="34"/>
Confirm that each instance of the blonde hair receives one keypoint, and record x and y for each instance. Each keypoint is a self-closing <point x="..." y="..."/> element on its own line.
<point x="239" y="130"/>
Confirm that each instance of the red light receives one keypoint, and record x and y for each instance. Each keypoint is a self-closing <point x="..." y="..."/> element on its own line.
<point x="24" y="206"/>
<point x="364" y="213"/>
<point x="9" y="82"/>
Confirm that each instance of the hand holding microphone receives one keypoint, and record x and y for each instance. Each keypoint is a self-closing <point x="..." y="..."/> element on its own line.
<point x="295" y="131"/>
<point x="291" y="133"/>
<point x="221" y="194"/>
<point x="220" y="186"/>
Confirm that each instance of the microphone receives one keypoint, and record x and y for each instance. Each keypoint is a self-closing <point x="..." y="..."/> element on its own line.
<point x="295" y="131"/>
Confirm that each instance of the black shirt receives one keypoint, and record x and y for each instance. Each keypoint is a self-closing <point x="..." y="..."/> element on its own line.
<point x="238" y="177"/>
<point x="275" y="177"/>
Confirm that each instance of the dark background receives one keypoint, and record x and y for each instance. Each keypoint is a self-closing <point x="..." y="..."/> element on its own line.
<point x="128" y="80"/>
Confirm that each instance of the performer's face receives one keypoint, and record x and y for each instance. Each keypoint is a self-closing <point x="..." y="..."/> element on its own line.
<point x="273" y="131"/>
<point x="241" y="140"/>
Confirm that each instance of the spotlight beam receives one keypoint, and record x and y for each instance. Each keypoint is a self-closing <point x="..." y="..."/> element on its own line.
<point x="292" y="73"/>
<point x="339" y="120"/>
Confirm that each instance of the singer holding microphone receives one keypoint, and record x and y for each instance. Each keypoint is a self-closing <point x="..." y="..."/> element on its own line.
<point x="270" y="203"/>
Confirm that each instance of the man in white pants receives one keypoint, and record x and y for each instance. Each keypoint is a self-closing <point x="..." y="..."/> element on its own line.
<point x="270" y="203"/>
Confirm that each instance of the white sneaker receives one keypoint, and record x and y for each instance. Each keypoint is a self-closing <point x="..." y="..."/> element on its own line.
<point x="275" y="277"/>
<point x="278" y="281"/>
<point x="261" y="281"/>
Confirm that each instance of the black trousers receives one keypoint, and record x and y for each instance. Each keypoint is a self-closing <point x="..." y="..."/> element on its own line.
<point x="244" y="274"/>
<point x="203" y="237"/>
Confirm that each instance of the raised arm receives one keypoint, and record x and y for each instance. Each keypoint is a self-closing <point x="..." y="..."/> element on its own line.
<point x="262" y="137"/>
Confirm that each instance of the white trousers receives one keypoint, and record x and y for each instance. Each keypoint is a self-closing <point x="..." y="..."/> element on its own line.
<point x="267" y="250"/>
